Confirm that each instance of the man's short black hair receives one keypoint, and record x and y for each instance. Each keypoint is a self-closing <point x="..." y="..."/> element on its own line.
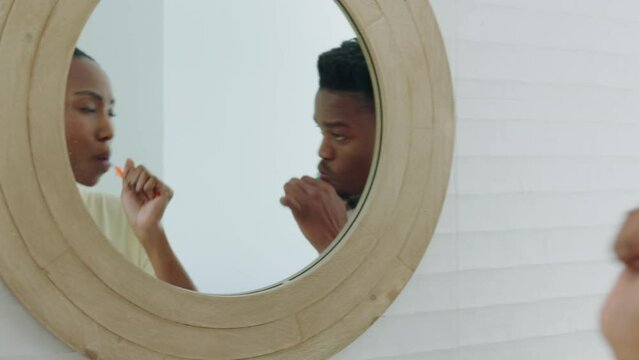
<point x="79" y="54"/>
<point x="344" y="69"/>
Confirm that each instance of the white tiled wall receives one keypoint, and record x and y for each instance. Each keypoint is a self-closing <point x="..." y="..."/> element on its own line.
<point x="546" y="164"/>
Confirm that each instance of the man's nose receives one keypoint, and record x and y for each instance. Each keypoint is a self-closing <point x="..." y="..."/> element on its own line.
<point x="326" y="150"/>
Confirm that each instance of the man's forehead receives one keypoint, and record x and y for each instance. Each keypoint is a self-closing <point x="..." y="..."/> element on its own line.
<point x="338" y="98"/>
<point x="340" y="109"/>
<point x="333" y="116"/>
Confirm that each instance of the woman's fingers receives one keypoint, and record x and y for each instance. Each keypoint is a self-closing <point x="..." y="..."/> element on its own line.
<point x="142" y="182"/>
<point x="149" y="187"/>
<point x="128" y="165"/>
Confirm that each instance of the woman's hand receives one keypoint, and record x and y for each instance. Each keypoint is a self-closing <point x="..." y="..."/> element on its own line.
<point x="145" y="199"/>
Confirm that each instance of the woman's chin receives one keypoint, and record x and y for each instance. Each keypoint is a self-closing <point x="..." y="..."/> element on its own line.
<point x="88" y="180"/>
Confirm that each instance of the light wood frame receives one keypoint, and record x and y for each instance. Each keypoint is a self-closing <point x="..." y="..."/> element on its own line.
<point x="60" y="267"/>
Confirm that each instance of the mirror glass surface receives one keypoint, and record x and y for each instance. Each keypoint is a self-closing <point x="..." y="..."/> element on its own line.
<point x="217" y="99"/>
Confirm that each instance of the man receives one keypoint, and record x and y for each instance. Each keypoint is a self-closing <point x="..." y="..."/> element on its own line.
<point x="345" y="113"/>
<point x="620" y="315"/>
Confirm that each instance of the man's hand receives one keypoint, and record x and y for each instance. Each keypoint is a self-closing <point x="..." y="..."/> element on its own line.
<point x="145" y="199"/>
<point x="620" y="314"/>
<point x="627" y="243"/>
<point x="318" y="210"/>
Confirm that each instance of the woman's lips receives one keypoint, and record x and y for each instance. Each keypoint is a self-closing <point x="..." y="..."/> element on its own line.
<point x="103" y="161"/>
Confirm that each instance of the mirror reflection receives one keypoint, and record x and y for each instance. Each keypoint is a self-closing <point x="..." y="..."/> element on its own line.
<point x="131" y="222"/>
<point x="345" y="115"/>
<point x="237" y="155"/>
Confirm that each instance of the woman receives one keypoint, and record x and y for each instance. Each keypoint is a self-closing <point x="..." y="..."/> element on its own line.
<point x="134" y="223"/>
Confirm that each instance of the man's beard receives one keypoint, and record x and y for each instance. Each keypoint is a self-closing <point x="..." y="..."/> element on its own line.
<point x="350" y="200"/>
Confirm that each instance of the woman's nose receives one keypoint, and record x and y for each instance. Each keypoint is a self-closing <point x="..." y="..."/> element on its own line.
<point x="105" y="132"/>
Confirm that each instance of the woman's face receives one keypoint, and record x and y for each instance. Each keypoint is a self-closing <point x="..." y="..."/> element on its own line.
<point x="88" y="120"/>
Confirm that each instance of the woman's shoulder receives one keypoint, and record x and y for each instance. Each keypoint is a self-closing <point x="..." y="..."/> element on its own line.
<point x="98" y="198"/>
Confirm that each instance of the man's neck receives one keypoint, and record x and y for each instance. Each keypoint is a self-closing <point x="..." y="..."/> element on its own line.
<point x="351" y="201"/>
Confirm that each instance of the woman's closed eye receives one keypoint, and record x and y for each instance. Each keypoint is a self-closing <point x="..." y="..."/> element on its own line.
<point x="88" y="110"/>
<point x="92" y="110"/>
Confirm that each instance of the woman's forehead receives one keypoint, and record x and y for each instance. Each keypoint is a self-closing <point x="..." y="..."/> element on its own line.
<point x="86" y="74"/>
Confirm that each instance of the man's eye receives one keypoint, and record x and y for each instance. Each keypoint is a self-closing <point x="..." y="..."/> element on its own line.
<point x="338" y="137"/>
<point x="88" y="110"/>
<point x="112" y="114"/>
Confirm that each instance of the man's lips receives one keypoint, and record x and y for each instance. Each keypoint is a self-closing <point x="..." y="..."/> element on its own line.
<point x="324" y="173"/>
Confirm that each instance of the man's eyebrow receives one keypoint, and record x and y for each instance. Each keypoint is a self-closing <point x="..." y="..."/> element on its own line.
<point x="332" y="124"/>
<point x="94" y="95"/>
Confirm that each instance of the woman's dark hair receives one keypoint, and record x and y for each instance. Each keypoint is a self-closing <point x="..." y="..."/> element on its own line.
<point x="344" y="69"/>
<point x="79" y="54"/>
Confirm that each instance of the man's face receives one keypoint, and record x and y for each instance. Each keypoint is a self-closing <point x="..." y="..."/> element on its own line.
<point x="620" y="316"/>
<point x="347" y="122"/>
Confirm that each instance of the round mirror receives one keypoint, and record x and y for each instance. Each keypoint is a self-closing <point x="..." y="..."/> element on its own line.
<point x="88" y="295"/>
<point x="226" y="116"/>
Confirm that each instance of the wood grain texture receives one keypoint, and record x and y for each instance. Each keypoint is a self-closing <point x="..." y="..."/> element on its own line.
<point x="21" y="267"/>
<point x="19" y="48"/>
<point x="5" y="7"/>
<point x="62" y="268"/>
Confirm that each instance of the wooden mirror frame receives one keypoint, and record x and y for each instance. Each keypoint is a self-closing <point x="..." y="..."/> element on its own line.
<point x="60" y="267"/>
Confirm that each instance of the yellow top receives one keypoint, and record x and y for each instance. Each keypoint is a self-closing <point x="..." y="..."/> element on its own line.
<point x="106" y="210"/>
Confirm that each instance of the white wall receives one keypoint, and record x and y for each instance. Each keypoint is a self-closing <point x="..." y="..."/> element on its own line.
<point x="546" y="163"/>
<point x="545" y="166"/>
